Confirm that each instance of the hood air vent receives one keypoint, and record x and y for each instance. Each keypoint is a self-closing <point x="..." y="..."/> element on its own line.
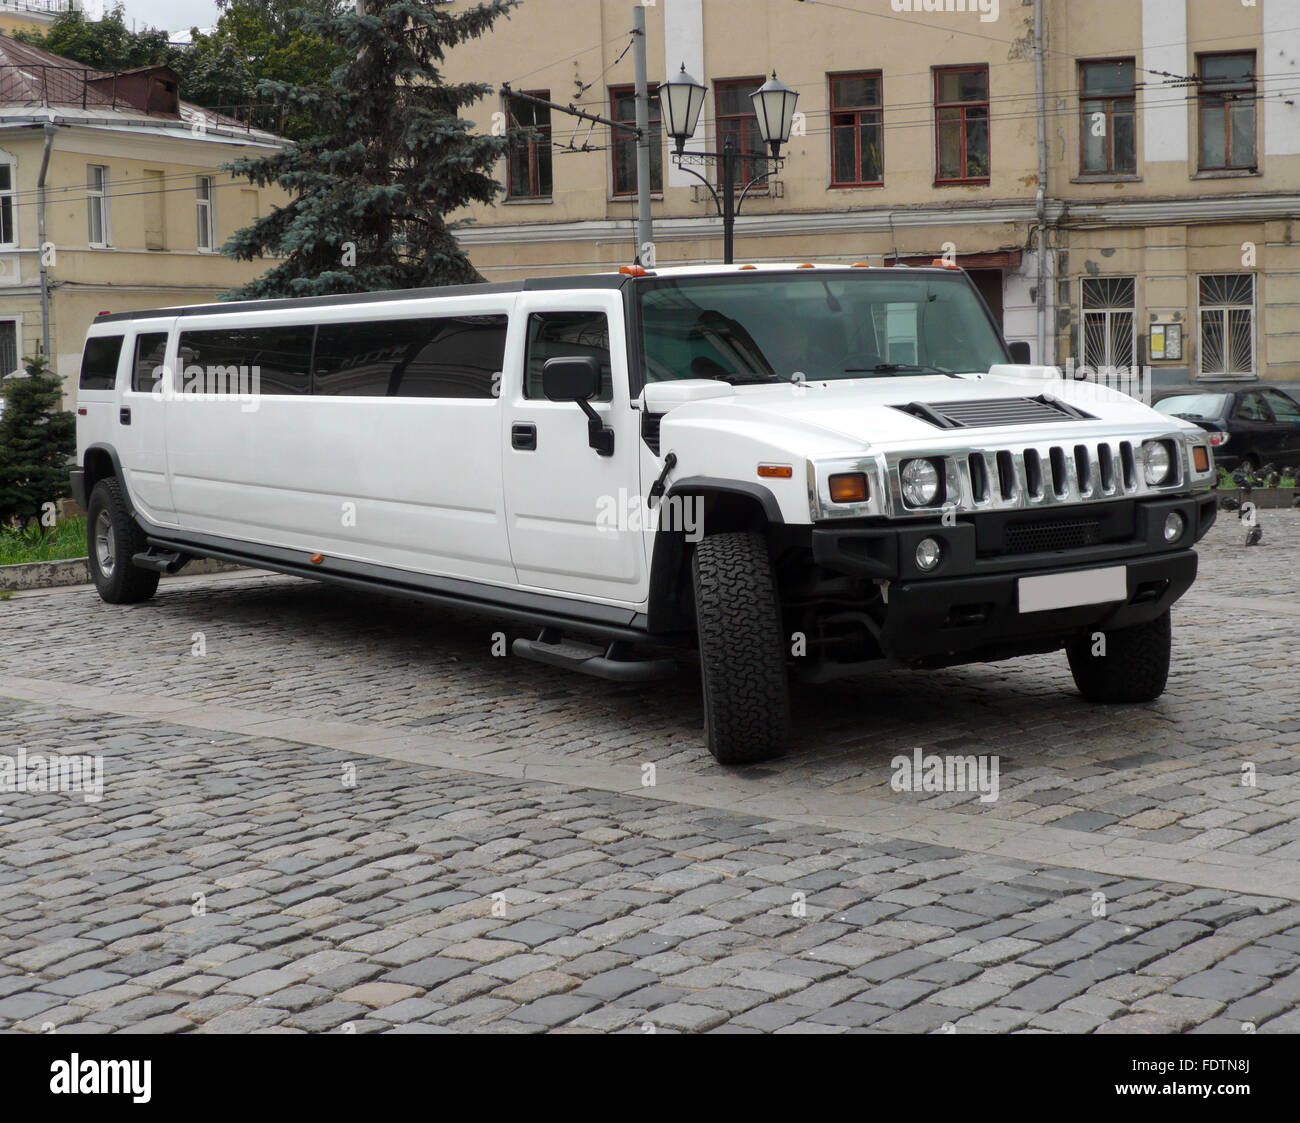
<point x="977" y="412"/>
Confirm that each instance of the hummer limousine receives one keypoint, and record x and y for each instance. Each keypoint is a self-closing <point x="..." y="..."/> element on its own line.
<point x="802" y="471"/>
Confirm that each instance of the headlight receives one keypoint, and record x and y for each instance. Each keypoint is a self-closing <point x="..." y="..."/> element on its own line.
<point x="920" y="482"/>
<point x="1159" y="462"/>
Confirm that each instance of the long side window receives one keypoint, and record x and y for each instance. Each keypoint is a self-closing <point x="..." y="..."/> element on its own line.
<point x="273" y="360"/>
<point x="567" y="335"/>
<point x="445" y="357"/>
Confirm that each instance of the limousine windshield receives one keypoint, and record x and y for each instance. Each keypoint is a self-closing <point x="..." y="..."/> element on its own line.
<point x="756" y="328"/>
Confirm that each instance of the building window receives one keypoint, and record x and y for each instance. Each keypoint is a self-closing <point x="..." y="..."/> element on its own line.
<point x="961" y="120"/>
<point x="8" y="231"/>
<point x="857" y="130"/>
<point x="622" y="105"/>
<point x="101" y="233"/>
<point x="1107" y="137"/>
<point x="1227" y="318"/>
<point x="205" y="215"/>
<point x="528" y="157"/>
<point x="8" y="347"/>
<point x="1227" y="111"/>
<point x="738" y="123"/>
<point x="1108" y="314"/>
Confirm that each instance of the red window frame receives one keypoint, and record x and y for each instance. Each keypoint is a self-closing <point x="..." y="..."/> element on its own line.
<point x="620" y="138"/>
<point x="857" y="113"/>
<point x="533" y="145"/>
<point x="963" y="106"/>
<point x="747" y="132"/>
<point x="1202" y="94"/>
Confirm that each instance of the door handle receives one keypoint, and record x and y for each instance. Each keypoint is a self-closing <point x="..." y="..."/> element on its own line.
<point x="523" y="436"/>
<point x="124" y="415"/>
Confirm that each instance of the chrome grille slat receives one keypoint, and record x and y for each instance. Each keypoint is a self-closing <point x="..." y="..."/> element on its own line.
<point x="1037" y="476"/>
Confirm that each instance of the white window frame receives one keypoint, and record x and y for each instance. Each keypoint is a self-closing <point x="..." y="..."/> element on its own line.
<point x="9" y="201"/>
<point x="1108" y="314"/>
<point x="97" y="199"/>
<point x="205" y="213"/>
<point x="1244" y="376"/>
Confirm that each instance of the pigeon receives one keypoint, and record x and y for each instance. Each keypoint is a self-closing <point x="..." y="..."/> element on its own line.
<point x="1227" y="503"/>
<point x="1256" y="533"/>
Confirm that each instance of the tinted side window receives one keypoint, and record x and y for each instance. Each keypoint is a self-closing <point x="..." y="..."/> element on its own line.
<point x="447" y="357"/>
<point x="99" y="362"/>
<point x="567" y="335"/>
<point x="1284" y="408"/>
<point x="237" y="360"/>
<point x="1251" y="407"/>
<point x="150" y="354"/>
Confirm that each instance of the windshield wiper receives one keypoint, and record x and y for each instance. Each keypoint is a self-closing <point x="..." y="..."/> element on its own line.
<point x="895" y="368"/>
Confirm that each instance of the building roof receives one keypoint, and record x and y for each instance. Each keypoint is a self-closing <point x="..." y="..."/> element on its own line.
<point x="32" y="78"/>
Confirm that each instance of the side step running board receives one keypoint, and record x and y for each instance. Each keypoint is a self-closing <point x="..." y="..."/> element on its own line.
<point x="164" y="561"/>
<point x="615" y="662"/>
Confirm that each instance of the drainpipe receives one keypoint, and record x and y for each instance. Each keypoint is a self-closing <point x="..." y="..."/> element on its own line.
<point x="1041" y="200"/>
<point x="50" y="129"/>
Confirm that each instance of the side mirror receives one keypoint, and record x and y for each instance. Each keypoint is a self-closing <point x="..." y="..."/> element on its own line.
<point x="571" y="379"/>
<point x="577" y="380"/>
<point x="1020" y="352"/>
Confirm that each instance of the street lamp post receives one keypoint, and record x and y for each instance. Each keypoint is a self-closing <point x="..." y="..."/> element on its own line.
<point x="681" y="98"/>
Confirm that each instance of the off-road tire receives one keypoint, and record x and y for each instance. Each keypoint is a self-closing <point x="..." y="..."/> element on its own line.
<point x="109" y="518"/>
<point x="742" y="652"/>
<point x="1135" y="667"/>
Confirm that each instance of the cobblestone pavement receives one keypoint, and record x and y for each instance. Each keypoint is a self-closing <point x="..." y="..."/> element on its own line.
<point x="497" y="862"/>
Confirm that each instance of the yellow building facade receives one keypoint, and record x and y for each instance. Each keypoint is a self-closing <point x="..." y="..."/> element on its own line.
<point x="112" y="198"/>
<point x="1172" y="158"/>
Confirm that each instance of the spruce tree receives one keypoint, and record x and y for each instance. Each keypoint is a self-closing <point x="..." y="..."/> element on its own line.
<point x="37" y="439"/>
<point x="388" y="159"/>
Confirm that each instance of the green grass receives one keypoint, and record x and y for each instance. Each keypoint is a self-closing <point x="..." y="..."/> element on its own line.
<point x="1226" y="482"/>
<point x="34" y="543"/>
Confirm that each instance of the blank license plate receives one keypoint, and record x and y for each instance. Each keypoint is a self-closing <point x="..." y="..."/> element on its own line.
<point x="1069" y="590"/>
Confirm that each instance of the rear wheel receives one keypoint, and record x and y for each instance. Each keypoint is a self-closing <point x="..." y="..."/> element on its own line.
<point x="742" y="653"/>
<point x="113" y="538"/>
<point x="1130" y="664"/>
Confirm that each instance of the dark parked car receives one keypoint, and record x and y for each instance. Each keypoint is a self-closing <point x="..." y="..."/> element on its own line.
<point x="1252" y="424"/>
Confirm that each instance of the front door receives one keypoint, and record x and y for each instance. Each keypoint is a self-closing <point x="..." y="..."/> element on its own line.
<point x="574" y="516"/>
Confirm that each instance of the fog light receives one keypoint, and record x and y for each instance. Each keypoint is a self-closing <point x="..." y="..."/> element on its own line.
<point x="928" y="552"/>
<point x="1174" y="524"/>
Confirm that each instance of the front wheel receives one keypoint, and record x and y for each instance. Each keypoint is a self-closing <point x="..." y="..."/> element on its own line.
<point x="742" y="654"/>
<point x="1124" y="665"/>
<point x="113" y="538"/>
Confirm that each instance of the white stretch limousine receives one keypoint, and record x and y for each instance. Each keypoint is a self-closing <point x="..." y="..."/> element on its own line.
<point x="808" y="470"/>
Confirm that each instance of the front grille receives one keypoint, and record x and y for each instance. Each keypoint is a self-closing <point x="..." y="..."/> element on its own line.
<point x="996" y="411"/>
<point x="1038" y="535"/>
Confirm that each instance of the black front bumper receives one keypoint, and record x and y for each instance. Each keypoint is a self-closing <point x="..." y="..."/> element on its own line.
<point x="967" y="609"/>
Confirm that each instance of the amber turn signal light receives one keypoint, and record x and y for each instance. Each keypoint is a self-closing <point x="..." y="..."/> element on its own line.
<point x="849" y="487"/>
<point x="1201" y="458"/>
<point x="775" y="471"/>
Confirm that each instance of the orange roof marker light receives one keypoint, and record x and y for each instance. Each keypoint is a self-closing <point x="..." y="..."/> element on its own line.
<point x="941" y="263"/>
<point x="749" y="266"/>
<point x="633" y="270"/>
<point x="807" y="265"/>
<point x="860" y="265"/>
<point x="316" y="559"/>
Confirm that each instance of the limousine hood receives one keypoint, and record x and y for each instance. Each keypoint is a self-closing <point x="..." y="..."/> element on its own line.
<point x="882" y="414"/>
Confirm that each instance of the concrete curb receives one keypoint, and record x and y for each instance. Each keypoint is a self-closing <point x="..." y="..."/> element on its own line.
<point x="76" y="571"/>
